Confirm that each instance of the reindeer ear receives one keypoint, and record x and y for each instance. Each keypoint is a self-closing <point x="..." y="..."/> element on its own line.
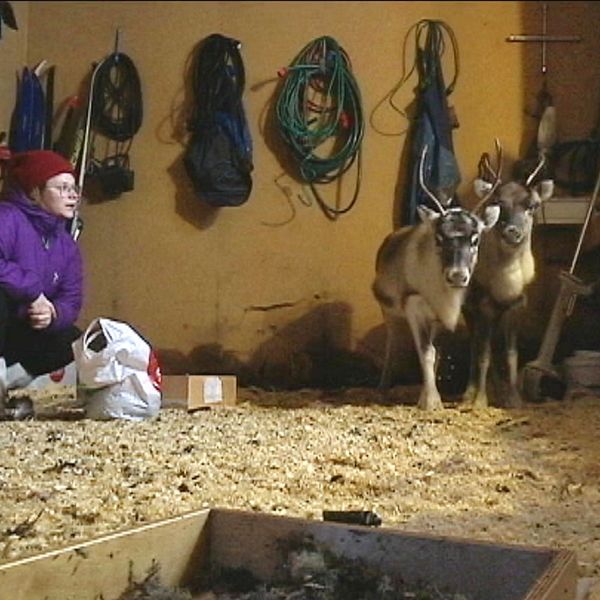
<point x="426" y="214"/>
<point x="490" y="216"/>
<point x="545" y="189"/>
<point x="481" y="187"/>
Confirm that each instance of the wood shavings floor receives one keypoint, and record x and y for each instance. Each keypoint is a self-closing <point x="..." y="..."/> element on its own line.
<point x="529" y="476"/>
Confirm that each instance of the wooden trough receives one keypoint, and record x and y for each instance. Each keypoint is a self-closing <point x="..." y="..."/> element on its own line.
<point x="190" y="546"/>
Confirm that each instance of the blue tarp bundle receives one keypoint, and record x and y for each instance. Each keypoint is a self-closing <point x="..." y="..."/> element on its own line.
<point x="29" y="118"/>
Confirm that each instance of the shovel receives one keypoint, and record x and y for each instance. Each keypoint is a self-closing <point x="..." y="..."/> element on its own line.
<point x="539" y="377"/>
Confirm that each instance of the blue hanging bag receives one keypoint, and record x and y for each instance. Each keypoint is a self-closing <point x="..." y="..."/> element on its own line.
<point x="218" y="158"/>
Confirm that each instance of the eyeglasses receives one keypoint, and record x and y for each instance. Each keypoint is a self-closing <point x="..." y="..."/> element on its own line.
<point x="66" y="189"/>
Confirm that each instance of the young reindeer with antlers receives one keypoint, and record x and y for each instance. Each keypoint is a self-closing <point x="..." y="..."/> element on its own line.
<point x="505" y="268"/>
<point x="422" y="274"/>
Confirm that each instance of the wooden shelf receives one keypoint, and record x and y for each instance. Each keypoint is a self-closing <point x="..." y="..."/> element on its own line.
<point x="563" y="210"/>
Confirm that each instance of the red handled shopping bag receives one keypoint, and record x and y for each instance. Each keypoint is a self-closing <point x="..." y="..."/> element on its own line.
<point x="118" y="372"/>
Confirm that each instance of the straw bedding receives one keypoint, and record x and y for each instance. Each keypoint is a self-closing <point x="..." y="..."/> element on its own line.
<point x="529" y="476"/>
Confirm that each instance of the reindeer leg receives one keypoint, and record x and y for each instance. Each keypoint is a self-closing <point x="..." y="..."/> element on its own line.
<point x="424" y="330"/>
<point x="509" y="368"/>
<point x="476" y="392"/>
<point x="392" y="350"/>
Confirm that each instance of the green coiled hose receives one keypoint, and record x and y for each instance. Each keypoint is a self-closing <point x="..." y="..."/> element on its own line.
<point x="320" y="105"/>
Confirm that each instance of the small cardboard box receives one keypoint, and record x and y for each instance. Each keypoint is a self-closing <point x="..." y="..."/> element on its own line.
<point x="190" y="548"/>
<point x="198" y="391"/>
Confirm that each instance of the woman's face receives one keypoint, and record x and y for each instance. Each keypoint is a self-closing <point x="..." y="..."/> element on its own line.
<point x="60" y="196"/>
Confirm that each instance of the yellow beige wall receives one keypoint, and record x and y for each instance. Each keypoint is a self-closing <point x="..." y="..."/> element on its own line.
<point x="275" y="275"/>
<point x="13" y="54"/>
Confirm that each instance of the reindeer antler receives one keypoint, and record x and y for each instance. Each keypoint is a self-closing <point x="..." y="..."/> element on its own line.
<point x="425" y="188"/>
<point x="485" y="162"/>
<point x="483" y="166"/>
<point x="486" y="165"/>
<point x="535" y="171"/>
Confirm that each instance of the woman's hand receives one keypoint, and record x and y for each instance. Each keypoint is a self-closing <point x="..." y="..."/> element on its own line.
<point x="41" y="312"/>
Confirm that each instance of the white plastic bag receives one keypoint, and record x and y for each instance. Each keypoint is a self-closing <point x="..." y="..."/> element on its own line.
<point x="118" y="372"/>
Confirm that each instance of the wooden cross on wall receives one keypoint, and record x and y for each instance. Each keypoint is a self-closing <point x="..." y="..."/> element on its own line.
<point x="544" y="38"/>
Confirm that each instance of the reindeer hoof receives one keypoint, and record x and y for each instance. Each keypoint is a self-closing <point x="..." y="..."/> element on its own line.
<point x="507" y="395"/>
<point x="475" y="398"/>
<point x="513" y="400"/>
<point x="479" y="401"/>
<point x="430" y="403"/>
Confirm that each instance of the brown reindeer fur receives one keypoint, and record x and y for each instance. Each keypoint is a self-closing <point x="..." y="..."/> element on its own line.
<point x="413" y="283"/>
<point x="505" y="268"/>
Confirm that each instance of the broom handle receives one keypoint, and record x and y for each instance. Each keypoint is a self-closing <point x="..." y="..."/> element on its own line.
<point x="76" y="223"/>
<point x="88" y="126"/>
<point x="586" y="222"/>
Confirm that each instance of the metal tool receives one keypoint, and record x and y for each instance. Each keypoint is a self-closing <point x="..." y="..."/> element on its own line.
<point x="355" y="517"/>
<point x="77" y="223"/>
<point x="540" y="378"/>
<point x="544" y="38"/>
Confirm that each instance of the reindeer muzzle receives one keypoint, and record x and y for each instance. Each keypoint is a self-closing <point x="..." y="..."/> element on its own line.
<point x="457" y="277"/>
<point x="513" y="235"/>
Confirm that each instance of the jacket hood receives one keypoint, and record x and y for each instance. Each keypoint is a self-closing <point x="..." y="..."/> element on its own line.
<point x="43" y="221"/>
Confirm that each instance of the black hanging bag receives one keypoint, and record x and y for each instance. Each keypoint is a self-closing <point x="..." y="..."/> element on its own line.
<point x="218" y="158"/>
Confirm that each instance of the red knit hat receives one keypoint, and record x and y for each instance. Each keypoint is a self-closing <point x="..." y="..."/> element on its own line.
<point x="32" y="169"/>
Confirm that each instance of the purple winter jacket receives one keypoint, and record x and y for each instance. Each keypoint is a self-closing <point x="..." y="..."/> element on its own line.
<point x="37" y="255"/>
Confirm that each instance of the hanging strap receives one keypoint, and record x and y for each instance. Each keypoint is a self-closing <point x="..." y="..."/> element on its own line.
<point x="219" y="79"/>
<point x="429" y="40"/>
<point x="428" y="53"/>
<point x="117" y="98"/>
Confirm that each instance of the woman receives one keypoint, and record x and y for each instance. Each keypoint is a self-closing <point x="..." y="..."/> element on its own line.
<point x="40" y="269"/>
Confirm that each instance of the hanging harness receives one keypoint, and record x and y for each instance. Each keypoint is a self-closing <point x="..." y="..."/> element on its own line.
<point x="218" y="158"/>
<point x="117" y="113"/>
<point x="576" y="163"/>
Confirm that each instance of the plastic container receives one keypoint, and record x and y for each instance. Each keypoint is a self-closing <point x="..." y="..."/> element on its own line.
<point x="583" y="369"/>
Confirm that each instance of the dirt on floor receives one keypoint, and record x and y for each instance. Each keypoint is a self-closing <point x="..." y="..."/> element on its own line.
<point x="528" y="476"/>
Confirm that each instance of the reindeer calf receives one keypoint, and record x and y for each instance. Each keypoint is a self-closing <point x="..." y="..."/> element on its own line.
<point x="422" y="274"/>
<point x="505" y="268"/>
